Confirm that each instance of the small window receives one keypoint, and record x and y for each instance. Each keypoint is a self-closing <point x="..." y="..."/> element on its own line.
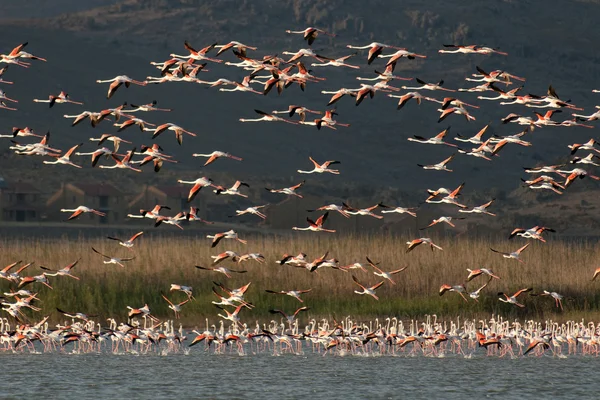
<point x="20" y="197"/>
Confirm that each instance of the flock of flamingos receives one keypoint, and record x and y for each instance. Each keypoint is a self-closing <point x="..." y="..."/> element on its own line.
<point x="143" y="332"/>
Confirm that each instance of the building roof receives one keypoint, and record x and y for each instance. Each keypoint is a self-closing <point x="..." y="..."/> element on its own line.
<point x="176" y="191"/>
<point x="98" y="189"/>
<point x="21" y="187"/>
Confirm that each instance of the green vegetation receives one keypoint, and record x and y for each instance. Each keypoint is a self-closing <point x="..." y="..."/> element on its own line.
<point x="106" y="290"/>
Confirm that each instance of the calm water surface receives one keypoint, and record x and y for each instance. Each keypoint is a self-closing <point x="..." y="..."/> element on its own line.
<point x="211" y="376"/>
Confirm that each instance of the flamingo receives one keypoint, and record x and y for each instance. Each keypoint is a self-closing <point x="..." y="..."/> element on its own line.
<point x="182" y="288"/>
<point x="316" y="226"/>
<point x="556" y="296"/>
<point x="441" y="166"/>
<point x="65" y="159"/>
<point x="385" y="275"/>
<point x="428" y="86"/>
<point x="399" y="54"/>
<point x="76" y="212"/>
<point x="403" y="99"/>
<point x="252" y="210"/>
<point x="124" y="163"/>
<point x="233" y="44"/>
<point x="146" y="108"/>
<point x="117" y="81"/>
<point x="267" y="117"/>
<point x="375" y="49"/>
<point x="234" y="190"/>
<point x="293" y="293"/>
<point x="437" y="139"/>
<point x="113" y="260"/>
<point x="399" y="210"/>
<point x="127" y="243"/>
<point x="304" y="52"/>
<point x="294" y="109"/>
<point x="225" y="271"/>
<point x="457" y="111"/>
<point x="3" y="96"/>
<point x="198" y="55"/>
<point x="230" y="234"/>
<point x="343" y="209"/>
<point x="290" y="191"/>
<point x="111" y="138"/>
<point x="131" y="122"/>
<point x="460" y="289"/>
<point x="414" y="243"/>
<point x="482" y="209"/>
<point x="2" y="71"/>
<point x="198" y="184"/>
<point x="466" y="49"/>
<point x="447" y="220"/>
<point x="225" y="255"/>
<point x="474" y="273"/>
<point x="475" y="295"/>
<point x="367" y="290"/>
<point x="95" y="117"/>
<point x="66" y="271"/>
<point x="321" y="168"/>
<point x="62" y="97"/>
<point x="514" y="255"/>
<point x="513" y="299"/>
<point x="310" y="34"/>
<point x="338" y="94"/>
<point x="289" y="318"/>
<point x="338" y="62"/>
<point x="179" y="131"/>
<point x="212" y="157"/>
<point x="589" y="145"/>
<point x="175" y="307"/>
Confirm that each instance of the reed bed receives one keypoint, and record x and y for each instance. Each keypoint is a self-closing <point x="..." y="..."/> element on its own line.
<point x="107" y="290"/>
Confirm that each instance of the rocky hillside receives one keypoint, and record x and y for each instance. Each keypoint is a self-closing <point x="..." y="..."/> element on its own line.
<point x="553" y="44"/>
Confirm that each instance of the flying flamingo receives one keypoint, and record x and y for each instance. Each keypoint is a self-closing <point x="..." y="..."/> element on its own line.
<point x="460" y="289"/>
<point x="230" y="234"/>
<point x="212" y="157"/>
<point x="375" y="49"/>
<point x="129" y="242"/>
<point x="233" y="44"/>
<point x="338" y="62"/>
<point x="80" y="210"/>
<point x="315" y="226"/>
<point x="367" y="290"/>
<point x="117" y="81"/>
<point x="514" y="255"/>
<point x="385" y="275"/>
<point x="113" y="260"/>
<point x="310" y="34"/>
<point x="62" y="97"/>
<point x="321" y="168"/>
<point x="293" y="293"/>
<point x="513" y="299"/>
<point x="198" y="184"/>
<point x="65" y="159"/>
<point x="414" y="243"/>
<point x="428" y="86"/>
<point x="267" y="117"/>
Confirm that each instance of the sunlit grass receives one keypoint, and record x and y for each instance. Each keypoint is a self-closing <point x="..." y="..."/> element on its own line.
<point x="107" y="290"/>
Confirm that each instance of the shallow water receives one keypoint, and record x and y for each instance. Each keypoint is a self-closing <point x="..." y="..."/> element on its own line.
<point x="218" y="376"/>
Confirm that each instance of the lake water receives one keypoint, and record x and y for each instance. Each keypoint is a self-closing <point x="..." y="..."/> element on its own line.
<point x="202" y="375"/>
